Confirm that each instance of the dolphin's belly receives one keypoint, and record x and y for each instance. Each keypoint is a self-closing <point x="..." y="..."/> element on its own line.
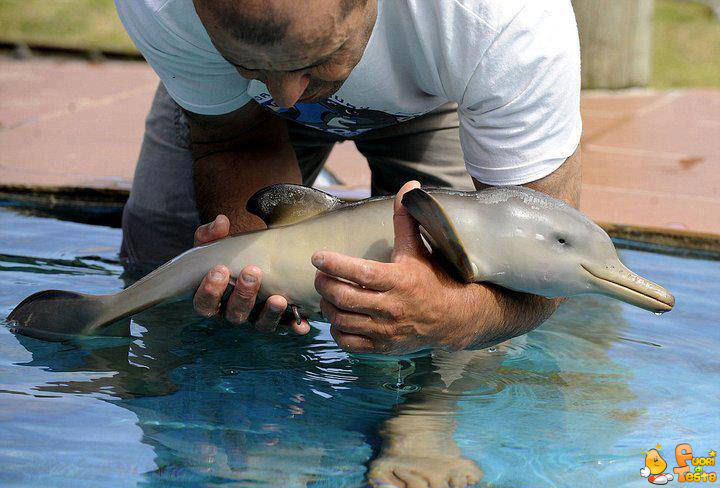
<point x="284" y="253"/>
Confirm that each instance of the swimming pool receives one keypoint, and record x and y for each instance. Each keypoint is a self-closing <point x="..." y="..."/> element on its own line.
<point x="189" y="402"/>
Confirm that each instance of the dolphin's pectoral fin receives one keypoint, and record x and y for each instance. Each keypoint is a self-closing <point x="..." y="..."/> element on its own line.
<point x="440" y="231"/>
<point x="285" y="204"/>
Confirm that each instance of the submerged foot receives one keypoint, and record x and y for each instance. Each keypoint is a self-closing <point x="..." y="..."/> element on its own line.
<point x="423" y="472"/>
<point x="421" y="460"/>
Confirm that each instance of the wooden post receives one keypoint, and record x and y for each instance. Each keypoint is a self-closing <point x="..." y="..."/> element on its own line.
<point x="615" y="41"/>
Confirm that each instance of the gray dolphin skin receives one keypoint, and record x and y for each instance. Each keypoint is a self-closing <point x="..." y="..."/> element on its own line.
<point x="514" y="237"/>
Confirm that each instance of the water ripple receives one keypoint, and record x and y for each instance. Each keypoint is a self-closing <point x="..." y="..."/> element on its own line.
<point x="195" y="401"/>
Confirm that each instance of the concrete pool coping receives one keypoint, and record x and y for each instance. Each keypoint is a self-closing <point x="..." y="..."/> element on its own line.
<point x="71" y="129"/>
<point x="702" y="243"/>
<point x="105" y="207"/>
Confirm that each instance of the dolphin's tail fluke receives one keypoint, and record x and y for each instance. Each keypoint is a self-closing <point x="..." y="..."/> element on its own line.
<point x="57" y="315"/>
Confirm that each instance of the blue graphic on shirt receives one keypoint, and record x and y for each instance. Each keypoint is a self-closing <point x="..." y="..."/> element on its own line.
<point x="330" y="115"/>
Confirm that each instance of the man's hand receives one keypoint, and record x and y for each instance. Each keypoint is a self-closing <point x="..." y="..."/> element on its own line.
<point x="244" y="295"/>
<point x="411" y="303"/>
<point x="406" y="305"/>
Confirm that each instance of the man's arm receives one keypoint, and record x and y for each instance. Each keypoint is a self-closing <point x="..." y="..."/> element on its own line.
<point x="412" y="303"/>
<point x="234" y="156"/>
<point x="563" y="183"/>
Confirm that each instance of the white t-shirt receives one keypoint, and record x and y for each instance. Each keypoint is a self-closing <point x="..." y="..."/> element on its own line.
<point x="512" y="66"/>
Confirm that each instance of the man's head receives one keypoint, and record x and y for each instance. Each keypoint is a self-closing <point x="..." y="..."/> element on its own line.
<point x="303" y="50"/>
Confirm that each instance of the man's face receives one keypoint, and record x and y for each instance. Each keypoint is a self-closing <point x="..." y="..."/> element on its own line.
<point x="314" y="58"/>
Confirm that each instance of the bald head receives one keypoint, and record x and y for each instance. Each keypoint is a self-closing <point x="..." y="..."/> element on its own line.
<point x="302" y="50"/>
<point x="263" y="22"/>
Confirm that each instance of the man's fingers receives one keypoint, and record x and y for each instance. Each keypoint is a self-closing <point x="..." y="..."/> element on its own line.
<point x="348" y="322"/>
<point x="217" y="229"/>
<point x="208" y="295"/>
<point x="352" y="342"/>
<point x="366" y="273"/>
<point x="355" y="332"/>
<point x="242" y="299"/>
<point x="407" y="235"/>
<point x="349" y="297"/>
<point x="271" y="314"/>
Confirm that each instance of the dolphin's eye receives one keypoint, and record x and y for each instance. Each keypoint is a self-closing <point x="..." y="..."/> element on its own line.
<point x="561" y="241"/>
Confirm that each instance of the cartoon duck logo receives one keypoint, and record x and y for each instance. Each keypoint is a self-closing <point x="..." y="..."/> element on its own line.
<point x="654" y="467"/>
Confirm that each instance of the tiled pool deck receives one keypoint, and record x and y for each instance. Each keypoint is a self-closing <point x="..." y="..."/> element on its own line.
<point x="651" y="159"/>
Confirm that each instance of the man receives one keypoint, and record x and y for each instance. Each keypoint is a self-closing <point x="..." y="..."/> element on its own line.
<point x="241" y="68"/>
<point x="256" y="92"/>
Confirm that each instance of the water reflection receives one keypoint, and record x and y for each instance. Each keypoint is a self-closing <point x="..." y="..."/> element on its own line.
<point x="224" y="404"/>
<point x="567" y="405"/>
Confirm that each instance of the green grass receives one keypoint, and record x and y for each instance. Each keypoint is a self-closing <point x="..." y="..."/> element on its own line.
<point x="686" y="45"/>
<point x="88" y="24"/>
<point x="686" y="38"/>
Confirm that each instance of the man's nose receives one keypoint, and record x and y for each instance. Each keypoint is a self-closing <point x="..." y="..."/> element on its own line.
<point x="287" y="88"/>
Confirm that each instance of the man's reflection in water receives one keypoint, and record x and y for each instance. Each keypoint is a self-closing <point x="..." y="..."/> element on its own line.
<point x="227" y="404"/>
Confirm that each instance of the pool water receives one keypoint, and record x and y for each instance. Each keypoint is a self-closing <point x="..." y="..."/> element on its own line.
<point x="191" y="402"/>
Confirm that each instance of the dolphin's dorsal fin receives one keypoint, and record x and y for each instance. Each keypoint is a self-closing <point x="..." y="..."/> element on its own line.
<point x="440" y="231"/>
<point x="285" y="203"/>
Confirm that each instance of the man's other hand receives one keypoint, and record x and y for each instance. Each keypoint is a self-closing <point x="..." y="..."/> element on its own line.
<point x="244" y="295"/>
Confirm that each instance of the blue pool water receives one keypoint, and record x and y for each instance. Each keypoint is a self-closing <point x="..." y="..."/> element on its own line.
<point x="189" y="402"/>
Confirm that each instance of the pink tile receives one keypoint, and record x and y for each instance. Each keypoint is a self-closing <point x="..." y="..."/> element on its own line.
<point x="653" y="172"/>
<point x="617" y="104"/>
<point x="348" y="165"/>
<point x="649" y="209"/>
<point x="86" y="129"/>
<point x="595" y="126"/>
<point x="686" y="124"/>
<point x="651" y="158"/>
<point x="32" y="90"/>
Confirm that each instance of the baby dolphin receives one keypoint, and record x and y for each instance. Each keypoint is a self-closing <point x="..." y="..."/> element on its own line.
<point x="514" y="237"/>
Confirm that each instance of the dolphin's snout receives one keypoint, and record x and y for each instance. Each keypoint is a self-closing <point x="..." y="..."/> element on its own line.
<point x="617" y="281"/>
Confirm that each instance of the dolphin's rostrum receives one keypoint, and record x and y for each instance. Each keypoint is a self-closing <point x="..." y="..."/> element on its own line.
<point x="514" y="237"/>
